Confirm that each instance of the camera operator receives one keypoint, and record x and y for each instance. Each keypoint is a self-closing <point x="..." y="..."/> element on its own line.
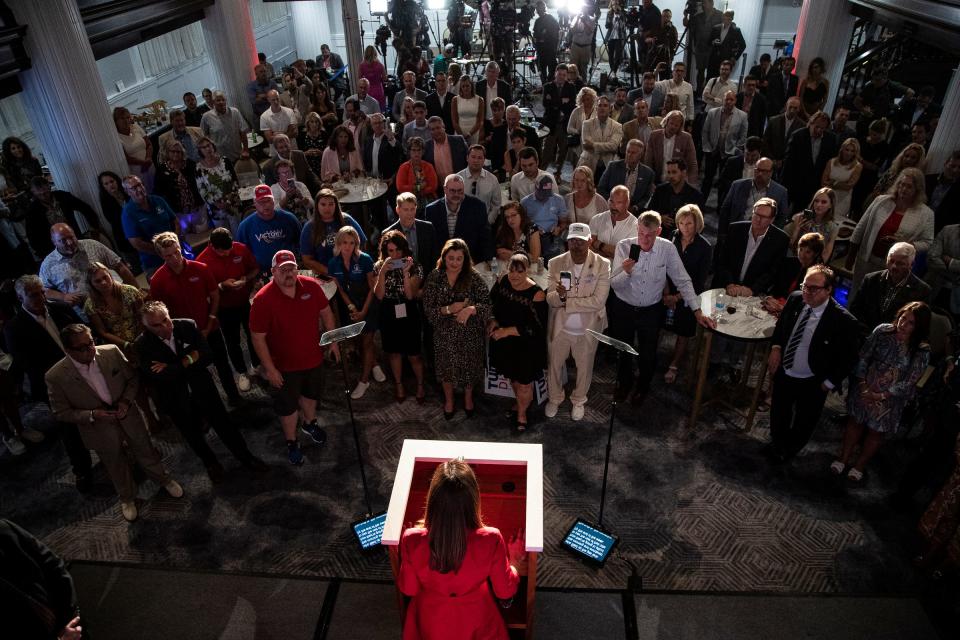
<point x="459" y="35"/>
<point x="701" y="28"/>
<point x="650" y="21"/>
<point x="616" y="36"/>
<point x="580" y="39"/>
<point x="546" y="39"/>
<point x="405" y="21"/>
<point x="503" y="23"/>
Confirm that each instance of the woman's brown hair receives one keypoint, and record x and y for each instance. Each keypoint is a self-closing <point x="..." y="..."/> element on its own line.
<point x="452" y="511"/>
<point x="921" y="322"/>
<point x="456" y="244"/>
<point x="505" y="237"/>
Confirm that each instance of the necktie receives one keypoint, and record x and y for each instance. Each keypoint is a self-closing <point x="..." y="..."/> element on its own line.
<point x="796" y="339"/>
<point x="786" y="86"/>
<point x="632" y="180"/>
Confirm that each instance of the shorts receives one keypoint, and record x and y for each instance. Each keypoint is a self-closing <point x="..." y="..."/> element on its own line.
<point x="296" y="384"/>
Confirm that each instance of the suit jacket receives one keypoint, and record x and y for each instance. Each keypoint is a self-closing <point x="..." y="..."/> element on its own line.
<point x="558" y="104"/>
<point x="735" y="203"/>
<point x="731" y="172"/>
<point x="32" y="348"/>
<point x="589" y="299"/>
<point x="397" y="107"/>
<point x="655" y="103"/>
<point x="194" y="132"/>
<point x="683" y="149"/>
<point x="500" y="142"/>
<point x="300" y="167"/>
<point x="472" y="226"/>
<point x="762" y="77"/>
<point x="616" y="173"/>
<point x="631" y="130"/>
<point x="801" y="174"/>
<point x="757" y="116"/>
<point x="434" y="108"/>
<point x="174" y="384"/>
<point x="778" y="92"/>
<point x="736" y="132"/>
<point x="606" y="143"/>
<point x="503" y="91"/>
<point x="72" y="398"/>
<point x="428" y="251"/>
<point x="388" y="160"/>
<point x="458" y="152"/>
<point x="835" y="345"/>
<point x="868" y="302"/>
<point x="949" y="210"/>
<point x="729" y="48"/>
<point x="775" y="136"/>
<point x="763" y="267"/>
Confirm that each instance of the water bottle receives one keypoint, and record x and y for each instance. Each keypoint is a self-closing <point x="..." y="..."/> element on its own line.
<point x="719" y="305"/>
<point x="670" y="315"/>
<point x="540" y="265"/>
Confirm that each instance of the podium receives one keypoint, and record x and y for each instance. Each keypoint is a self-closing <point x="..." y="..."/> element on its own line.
<point x="511" y="497"/>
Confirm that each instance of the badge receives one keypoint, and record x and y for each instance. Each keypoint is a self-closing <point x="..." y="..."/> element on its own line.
<point x="194" y="278"/>
<point x="238" y="259"/>
<point x="305" y="296"/>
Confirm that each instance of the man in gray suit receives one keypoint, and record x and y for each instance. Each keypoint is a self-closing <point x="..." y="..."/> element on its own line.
<point x="743" y="193"/>
<point x="96" y="389"/>
<point x="631" y="172"/>
<point x="724" y="134"/>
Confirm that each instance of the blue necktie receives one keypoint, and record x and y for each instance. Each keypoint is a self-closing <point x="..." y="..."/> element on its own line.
<point x="796" y="339"/>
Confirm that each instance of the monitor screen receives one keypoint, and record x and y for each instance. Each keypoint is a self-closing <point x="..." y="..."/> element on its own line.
<point x="589" y="542"/>
<point x="841" y="293"/>
<point x="370" y="530"/>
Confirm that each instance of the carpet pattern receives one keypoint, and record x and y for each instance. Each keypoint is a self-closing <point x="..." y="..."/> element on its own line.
<point x="697" y="510"/>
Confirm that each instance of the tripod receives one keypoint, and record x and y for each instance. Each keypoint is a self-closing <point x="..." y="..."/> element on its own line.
<point x="598" y="54"/>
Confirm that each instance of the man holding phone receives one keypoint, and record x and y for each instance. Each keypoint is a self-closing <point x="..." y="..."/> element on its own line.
<point x="639" y="273"/>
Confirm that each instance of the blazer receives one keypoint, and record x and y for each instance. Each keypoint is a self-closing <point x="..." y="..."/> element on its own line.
<point x="194" y="132"/>
<point x="174" y="383"/>
<point x="428" y="251"/>
<point x="802" y="175"/>
<point x="835" y="345"/>
<point x="868" y="301"/>
<point x="606" y="143"/>
<point x="590" y="299"/>
<point x="32" y="348"/>
<point x="500" y="142"/>
<point x="388" y="160"/>
<point x="683" y="149"/>
<point x="729" y="48"/>
<point x="757" y="116"/>
<point x="558" y="104"/>
<point x="458" y="152"/>
<point x="763" y="267"/>
<point x="735" y="203"/>
<point x="434" y="108"/>
<point x="72" y="398"/>
<point x="775" y="137"/>
<point x="300" y="167"/>
<point x="654" y="104"/>
<point x="736" y="132"/>
<point x="778" y="92"/>
<point x="632" y="129"/>
<point x="763" y="77"/>
<point x="616" y="173"/>
<point x="397" y="104"/>
<point x="949" y="210"/>
<point x="472" y="226"/>
<point x="330" y="163"/>
<point x="731" y="172"/>
<point x="503" y="91"/>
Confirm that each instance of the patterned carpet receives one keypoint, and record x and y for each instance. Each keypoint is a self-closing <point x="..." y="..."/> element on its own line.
<point x="701" y="511"/>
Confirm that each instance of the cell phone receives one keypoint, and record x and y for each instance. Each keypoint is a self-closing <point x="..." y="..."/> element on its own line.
<point x="808" y="214"/>
<point x="634" y="252"/>
<point x="397" y="263"/>
<point x="289" y="183"/>
<point x="566" y="279"/>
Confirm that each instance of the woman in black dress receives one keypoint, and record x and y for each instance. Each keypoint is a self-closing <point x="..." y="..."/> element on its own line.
<point x="695" y="252"/>
<point x="516" y="233"/>
<point x="399" y="278"/>
<point x="176" y="182"/>
<point x="518" y="330"/>
<point x="312" y="141"/>
<point x="112" y="199"/>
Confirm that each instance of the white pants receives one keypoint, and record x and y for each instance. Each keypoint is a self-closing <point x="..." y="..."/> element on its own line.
<point x="584" y="349"/>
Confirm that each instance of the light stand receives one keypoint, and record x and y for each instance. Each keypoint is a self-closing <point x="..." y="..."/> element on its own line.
<point x="336" y="336"/>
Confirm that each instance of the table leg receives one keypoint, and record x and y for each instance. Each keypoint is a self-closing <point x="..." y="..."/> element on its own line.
<point x="754" y="400"/>
<point x="694" y="358"/>
<point x="747" y="365"/>
<point x="701" y="377"/>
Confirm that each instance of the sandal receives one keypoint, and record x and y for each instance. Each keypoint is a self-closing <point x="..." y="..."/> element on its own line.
<point x="671" y="375"/>
<point x="837" y="467"/>
<point x="854" y="475"/>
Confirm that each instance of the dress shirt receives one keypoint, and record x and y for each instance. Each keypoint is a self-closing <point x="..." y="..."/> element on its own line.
<point x="752" y="245"/>
<point x="93" y="376"/>
<point x="413" y="130"/>
<point x="487" y="190"/>
<point x="451" y="219"/>
<point x="442" y="159"/>
<point x="749" y="170"/>
<point x="411" y="236"/>
<point x="48" y="324"/>
<point x="815" y="147"/>
<point x="170" y="342"/>
<point x="643" y="286"/>
<point x="667" y="154"/>
<point x="375" y="157"/>
<point x="755" y="194"/>
<point x="801" y="361"/>
<point x="186" y="140"/>
<point x="716" y="89"/>
<point x="521" y="186"/>
<point x="684" y="93"/>
<point x="488" y="100"/>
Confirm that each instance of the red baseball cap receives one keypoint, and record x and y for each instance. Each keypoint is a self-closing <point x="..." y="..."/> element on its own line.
<point x="283" y="256"/>
<point x="262" y="192"/>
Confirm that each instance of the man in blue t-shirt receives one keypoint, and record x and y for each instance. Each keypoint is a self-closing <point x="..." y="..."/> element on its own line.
<point x="270" y="230"/>
<point x="143" y="217"/>
<point x="548" y="211"/>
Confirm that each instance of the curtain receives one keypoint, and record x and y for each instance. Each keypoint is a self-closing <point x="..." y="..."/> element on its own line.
<point x="262" y="13"/>
<point x="171" y="49"/>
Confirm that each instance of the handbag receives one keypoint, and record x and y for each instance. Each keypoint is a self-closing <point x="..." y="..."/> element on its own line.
<point x="573" y="139"/>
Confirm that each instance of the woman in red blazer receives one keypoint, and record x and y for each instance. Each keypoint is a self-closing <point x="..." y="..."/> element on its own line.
<point x="445" y="564"/>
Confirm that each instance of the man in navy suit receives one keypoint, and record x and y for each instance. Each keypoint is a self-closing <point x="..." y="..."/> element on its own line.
<point x="447" y="154"/>
<point x="420" y="234"/>
<point x="781" y="86"/>
<point x="388" y="157"/>
<point x="738" y="203"/>
<point x="808" y="152"/>
<point x="457" y="215"/>
<point x="815" y="346"/>
<point x="631" y="167"/>
<point x="752" y="252"/>
<point x="440" y="101"/>
<point x="493" y="87"/>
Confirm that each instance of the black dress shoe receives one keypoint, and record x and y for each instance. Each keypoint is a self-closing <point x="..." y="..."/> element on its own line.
<point x="215" y="471"/>
<point x="256" y="464"/>
<point x="448" y="415"/>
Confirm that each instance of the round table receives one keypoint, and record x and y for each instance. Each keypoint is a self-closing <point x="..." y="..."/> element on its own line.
<point x="748" y="322"/>
<point x="360" y="190"/>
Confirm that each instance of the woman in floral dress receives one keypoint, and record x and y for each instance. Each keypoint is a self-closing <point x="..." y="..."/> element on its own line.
<point x="218" y="186"/>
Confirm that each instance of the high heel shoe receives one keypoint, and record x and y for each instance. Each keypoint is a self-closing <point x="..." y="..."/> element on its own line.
<point x="469" y="412"/>
<point x="448" y="415"/>
<point x="399" y="394"/>
<point x="421" y="394"/>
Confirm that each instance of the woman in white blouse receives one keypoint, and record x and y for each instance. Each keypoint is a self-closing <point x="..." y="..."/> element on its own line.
<point x="586" y="104"/>
<point x="136" y="146"/>
<point x="583" y="202"/>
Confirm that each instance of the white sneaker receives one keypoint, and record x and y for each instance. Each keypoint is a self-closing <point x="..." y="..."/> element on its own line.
<point x="378" y="374"/>
<point x="32" y="436"/>
<point x="551" y="409"/>
<point x="14" y="446"/>
<point x="129" y="511"/>
<point x="174" y="489"/>
<point x="243" y="382"/>
<point x="359" y="390"/>
<point x="576" y="413"/>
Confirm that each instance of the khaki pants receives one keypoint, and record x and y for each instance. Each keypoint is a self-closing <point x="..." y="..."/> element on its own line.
<point x="106" y="437"/>
<point x="583" y="349"/>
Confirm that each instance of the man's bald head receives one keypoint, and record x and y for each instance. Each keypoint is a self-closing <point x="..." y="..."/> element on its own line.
<point x="64" y="239"/>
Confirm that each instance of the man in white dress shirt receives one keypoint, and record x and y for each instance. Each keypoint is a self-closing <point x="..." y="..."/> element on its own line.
<point x="480" y="183"/>
<point x="717" y="87"/>
<point x="681" y="88"/>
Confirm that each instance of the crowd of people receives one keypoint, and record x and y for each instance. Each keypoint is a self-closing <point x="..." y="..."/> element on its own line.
<point x="441" y="267"/>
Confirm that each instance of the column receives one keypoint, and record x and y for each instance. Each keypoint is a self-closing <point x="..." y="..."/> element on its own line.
<point x="824" y="31"/>
<point x="228" y="31"/>
<point x="351" y="31"/>
<point x="747" y="16"/>
<point x="946" y="139"/>
<point x="65" y="100"/>
<point x="311" y="27"/>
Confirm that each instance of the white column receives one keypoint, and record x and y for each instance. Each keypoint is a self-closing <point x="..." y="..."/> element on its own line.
<point x="747" y="15"/>
<point x="311" y="27"/>
<point x="351" y="30"/>
<point x="946" y="139"/>
<point x="824" y="31"/>
<point x="228" y="31"/>
<point x="64" y="98"/>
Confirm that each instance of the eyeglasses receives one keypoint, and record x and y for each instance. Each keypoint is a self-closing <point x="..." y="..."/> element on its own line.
<point x="82" y="347"/>
<point x="812" y="288"/>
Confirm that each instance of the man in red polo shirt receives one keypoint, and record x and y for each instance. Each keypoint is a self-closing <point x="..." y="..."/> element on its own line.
<point x="189" y="290"/>
<point x="235" y="270"/>
<point x="286" y="336"/>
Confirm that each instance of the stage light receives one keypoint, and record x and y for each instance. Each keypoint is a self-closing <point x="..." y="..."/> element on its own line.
<point x="436" y="5"/>
<point x="378" y="7"/>
<point x="574" y="6"/>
